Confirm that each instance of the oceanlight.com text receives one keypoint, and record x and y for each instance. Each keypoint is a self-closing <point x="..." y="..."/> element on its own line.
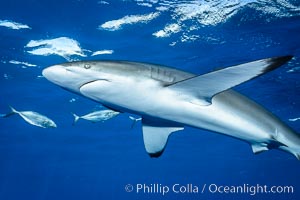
<point x="164" y="189"/>
<point x="250" y="189"/>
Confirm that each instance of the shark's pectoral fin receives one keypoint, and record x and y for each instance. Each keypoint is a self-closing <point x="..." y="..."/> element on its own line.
<point x="156" y="136"/>
<point x="204" y="87"/>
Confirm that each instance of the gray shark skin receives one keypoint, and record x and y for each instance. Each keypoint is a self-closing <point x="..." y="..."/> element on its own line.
<point x="168" y="99"/>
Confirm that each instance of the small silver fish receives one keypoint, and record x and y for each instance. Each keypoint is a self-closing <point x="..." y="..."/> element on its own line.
<point x="32" y="118"/>
<point x="134" y="121"/>
<point x="97" y="116"/>
<point x="294" y="119"/>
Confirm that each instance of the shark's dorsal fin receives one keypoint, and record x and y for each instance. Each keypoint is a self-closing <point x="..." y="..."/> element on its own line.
<point x="156" y="135"/>
<point x="204" y="87"/>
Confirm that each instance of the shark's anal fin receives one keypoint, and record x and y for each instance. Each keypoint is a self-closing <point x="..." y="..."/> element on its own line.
<point x="156" y="136"/>
<point x="204" y="87"/>
<point x="259" y="147"/>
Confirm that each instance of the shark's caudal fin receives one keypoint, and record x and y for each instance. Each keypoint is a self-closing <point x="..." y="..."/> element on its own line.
<point x="204" y="87"/>
<point x="297" y="155"/>
<point x="76" y="118"/>
<point x="156" y="136"/>
<point x="294" y="152"/>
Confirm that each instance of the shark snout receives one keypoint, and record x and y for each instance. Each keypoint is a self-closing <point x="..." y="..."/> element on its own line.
<point x="70" y="78"/>
<point x="54" y="73"/>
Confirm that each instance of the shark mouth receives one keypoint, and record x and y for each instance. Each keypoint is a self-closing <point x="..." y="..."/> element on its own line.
<point x="90" y="82"/>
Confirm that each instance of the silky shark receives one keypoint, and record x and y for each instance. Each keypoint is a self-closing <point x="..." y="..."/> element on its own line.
<point x="169" y="99"/>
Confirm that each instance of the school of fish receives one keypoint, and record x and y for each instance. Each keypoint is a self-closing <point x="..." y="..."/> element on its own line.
<point x="39" y="120"/>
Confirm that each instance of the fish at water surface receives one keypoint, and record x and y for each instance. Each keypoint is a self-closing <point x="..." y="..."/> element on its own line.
<point x="32" y="118"/>
<point x="168" y="99"/>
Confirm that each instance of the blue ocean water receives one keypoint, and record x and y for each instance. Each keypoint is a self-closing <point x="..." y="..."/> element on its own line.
<point x="99" y="160"/>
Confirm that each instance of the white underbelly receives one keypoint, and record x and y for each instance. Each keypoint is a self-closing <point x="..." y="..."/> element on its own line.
<point x="150" y="99"/>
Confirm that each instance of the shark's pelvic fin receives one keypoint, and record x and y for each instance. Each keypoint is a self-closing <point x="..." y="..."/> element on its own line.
<point x="204" y="87"/>
<point x="156" y="136"/>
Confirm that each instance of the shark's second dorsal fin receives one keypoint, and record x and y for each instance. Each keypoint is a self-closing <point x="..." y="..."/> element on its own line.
<point x="156" y="135"/>
<point x="204" y="87"/>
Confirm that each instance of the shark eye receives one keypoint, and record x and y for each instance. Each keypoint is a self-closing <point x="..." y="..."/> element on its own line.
<point x="87" y="66"/>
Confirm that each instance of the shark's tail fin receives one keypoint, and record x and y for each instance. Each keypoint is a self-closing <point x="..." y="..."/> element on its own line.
<point x="294" y="152"/>
<point x="293" y="145"/>
<point x="76" y="118"/>
<point x="297" y="155"/>
<point x="13" y="111"/>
